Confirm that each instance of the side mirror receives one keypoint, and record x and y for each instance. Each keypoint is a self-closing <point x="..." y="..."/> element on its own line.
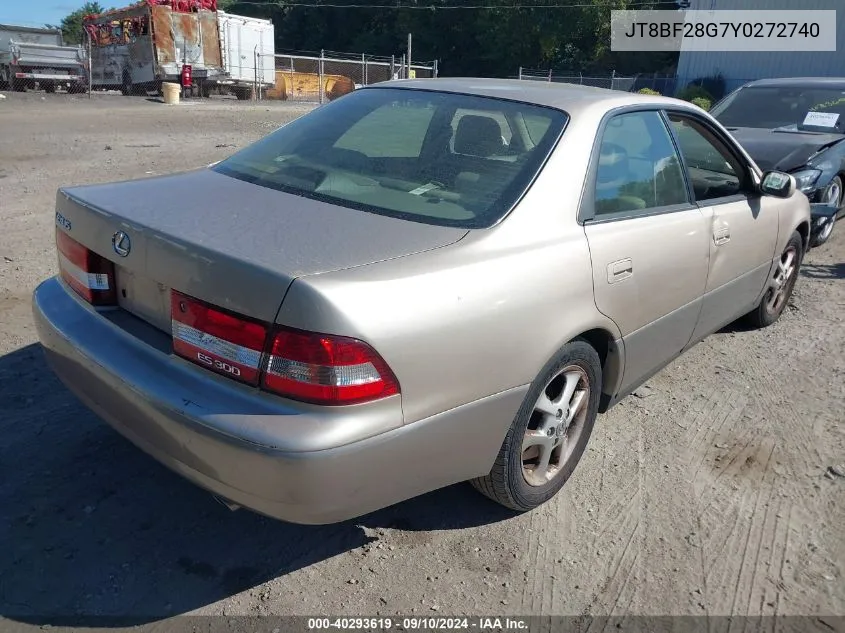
<point x="778" y="184"/>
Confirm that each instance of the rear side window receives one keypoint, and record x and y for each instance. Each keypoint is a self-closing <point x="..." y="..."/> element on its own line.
<point x="440" y="158"/>
<point x="638" y="167"/>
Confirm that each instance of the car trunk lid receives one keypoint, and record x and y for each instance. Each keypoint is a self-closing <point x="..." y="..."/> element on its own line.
<point x="236" y="245"/>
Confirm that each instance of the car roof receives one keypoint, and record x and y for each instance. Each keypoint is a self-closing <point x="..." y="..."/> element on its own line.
<point x="799" y="82"/>
<point x="571" y="98"/>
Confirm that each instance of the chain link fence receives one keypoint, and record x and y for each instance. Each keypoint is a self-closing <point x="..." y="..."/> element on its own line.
<point x="667" y="84"/>
<point x="143" y="47"/>
<point x="329" y="75"/>
<point x="612" y="82"/>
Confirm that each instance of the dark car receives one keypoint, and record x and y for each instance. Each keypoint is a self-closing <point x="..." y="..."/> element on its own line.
<point x="796" y="125"/>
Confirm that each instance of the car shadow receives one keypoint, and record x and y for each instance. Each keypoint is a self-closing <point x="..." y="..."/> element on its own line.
<point x="101" y="531"/>
<point x="823" y="271"/>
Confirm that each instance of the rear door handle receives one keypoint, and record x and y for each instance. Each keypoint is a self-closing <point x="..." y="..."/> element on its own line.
<point x="619" y="270"/>
<point x="722" y="236"/>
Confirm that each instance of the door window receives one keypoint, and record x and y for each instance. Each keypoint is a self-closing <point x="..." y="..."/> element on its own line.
<point x="713" y="169"/>
<point x="638" y="168"/>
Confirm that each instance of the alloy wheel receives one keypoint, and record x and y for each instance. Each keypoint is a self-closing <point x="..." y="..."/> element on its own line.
<point x="782" y="280"/>
<point x="555" y="425"/>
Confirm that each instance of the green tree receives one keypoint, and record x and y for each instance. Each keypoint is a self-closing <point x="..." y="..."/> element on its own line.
<point x="71" y="25"/>
<point x="492" y="38"/>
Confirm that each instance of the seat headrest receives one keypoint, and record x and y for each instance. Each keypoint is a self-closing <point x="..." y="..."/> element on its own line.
<point x="478" y="136"/>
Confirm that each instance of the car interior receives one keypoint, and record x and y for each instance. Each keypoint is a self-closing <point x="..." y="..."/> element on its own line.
<point x="775" y="107"/>
<point x="637" y="167"/>
<point x="449" y="163"/>
<point x="712" y="173"/>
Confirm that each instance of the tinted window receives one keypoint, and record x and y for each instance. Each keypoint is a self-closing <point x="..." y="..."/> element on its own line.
<point x="388" y="131"/>
<point x="498" y="117"/>
<point x="638" y="166"/>
<point x="778" y="106"/>
<point x="448" y="159"/>
<point x="713" y="170"/>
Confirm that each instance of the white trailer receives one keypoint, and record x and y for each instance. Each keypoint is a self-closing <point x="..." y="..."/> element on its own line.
<point x="248" y="46"/>
<point x="31" y="56"/>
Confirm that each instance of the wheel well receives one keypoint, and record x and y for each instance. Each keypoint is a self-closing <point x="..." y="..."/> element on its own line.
<point x="804" y="230"/>
<point x="604" y="344"/>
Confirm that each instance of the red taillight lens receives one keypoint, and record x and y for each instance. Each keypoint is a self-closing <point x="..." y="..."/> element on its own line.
<point x="227" y="344"/>
<point x="326" y="369"/>
<point x="90" y="276"/>
<point x="317" y="368"/>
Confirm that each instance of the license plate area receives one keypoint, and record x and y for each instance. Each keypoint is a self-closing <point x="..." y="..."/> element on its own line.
<point x="143" y="297"/>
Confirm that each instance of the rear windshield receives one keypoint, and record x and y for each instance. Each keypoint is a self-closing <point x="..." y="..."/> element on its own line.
<point x="439" y="158"/>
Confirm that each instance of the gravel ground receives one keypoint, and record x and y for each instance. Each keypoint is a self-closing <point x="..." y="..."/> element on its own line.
<point x="718" y="489"/>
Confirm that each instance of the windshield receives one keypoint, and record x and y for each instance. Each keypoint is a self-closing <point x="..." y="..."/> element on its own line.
<point x="447" y="159"/>
<point x="773" y="107"/>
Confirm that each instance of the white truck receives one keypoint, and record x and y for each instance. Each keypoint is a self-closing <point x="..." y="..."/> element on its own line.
<point x="136" y="48"/>
<point x="248" y="46"/>
<point x="33" y="57"/>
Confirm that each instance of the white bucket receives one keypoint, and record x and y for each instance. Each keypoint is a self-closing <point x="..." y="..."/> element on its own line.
<point x="171" y="92"/>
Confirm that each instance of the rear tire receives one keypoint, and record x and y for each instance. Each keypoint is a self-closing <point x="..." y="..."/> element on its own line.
<point x="243" y="94"/>
<point x="126" y="87"/>
<point x="780" y="285"/>
<point x="18" y="85"/>
<point x="555" y="419"/>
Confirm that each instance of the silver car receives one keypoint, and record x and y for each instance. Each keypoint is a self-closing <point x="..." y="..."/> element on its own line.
<point x="421" y="283"/>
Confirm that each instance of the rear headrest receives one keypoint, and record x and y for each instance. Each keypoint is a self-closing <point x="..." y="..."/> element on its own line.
<point x="613" y="164"/>
<point x="478" y="136"/>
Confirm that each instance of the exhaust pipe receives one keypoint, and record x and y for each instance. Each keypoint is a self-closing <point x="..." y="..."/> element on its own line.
<point x="225" y="502"/>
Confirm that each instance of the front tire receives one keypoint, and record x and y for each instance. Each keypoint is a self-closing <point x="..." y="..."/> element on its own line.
<point x="780" y="286"/>
<point x="834" y="196"/>
<point x="549" y="433"/>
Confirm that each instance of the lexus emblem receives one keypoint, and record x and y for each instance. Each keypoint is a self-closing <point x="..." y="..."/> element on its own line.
<point x="121" y="244"/>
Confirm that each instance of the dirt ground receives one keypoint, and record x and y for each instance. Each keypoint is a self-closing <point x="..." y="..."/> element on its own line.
<point x="709" y="492"/>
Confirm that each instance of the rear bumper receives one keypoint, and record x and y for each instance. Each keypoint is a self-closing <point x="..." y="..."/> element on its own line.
<point x="298" y="463"/>
<point x="49" y="76"/>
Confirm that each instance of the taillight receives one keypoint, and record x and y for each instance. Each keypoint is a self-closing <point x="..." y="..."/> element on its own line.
<point x="326" y="369"/>
<point x="316" y="368"/>
<point x="222" y="342"/>
<point x="88" y="274"/>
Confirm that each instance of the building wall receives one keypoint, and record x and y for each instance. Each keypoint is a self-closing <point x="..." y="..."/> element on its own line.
<point x="738" y="68"/>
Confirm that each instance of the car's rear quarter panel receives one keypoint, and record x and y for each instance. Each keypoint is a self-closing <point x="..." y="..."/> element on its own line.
<point x="484" y="315"/>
